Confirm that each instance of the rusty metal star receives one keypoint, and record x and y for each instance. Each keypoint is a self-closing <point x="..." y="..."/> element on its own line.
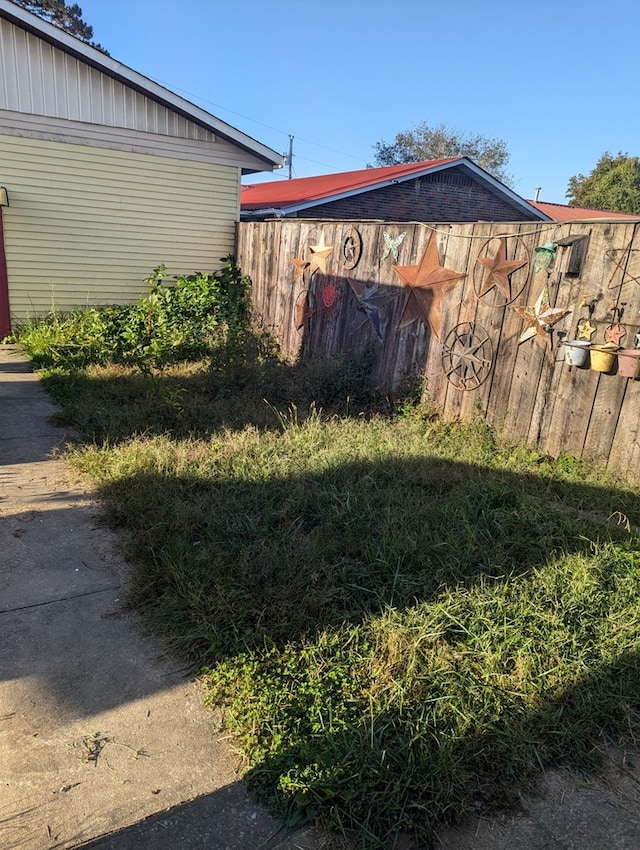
<point x="319" y="254"/>
<point x="300" y="263"/>
<point x="614" y="333"/>
<point x="540" y="318"/>
<point x="427" y="284"/>
<point x="370" y="303"/>
<point x="305" y="309"/>
<point x="499" y="269"/>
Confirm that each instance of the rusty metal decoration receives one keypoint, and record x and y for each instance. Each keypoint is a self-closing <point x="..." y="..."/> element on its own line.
<point x="540" y="318"/>
<point x="615" y="333"/>
<point x="305" y="309"/>
<point x="392" y="245"/>
<point x="467" y="356"/>
<point x="301" y="264"/>
<point x="427" y="284"/>
<point x="623" y="265"/>
<point x="351" y="249"/>
<point x="319" y="255"/>
<point x="370" y="303"/>
<point x="498" y="271"/>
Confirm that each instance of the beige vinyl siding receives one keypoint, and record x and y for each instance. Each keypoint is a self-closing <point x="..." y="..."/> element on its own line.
<point x="87" y="225"/>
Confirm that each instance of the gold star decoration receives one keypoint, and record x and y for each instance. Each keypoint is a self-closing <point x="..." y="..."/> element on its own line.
<point x="319" y="254"/>
<point x="427" y="284"/>
<point x="300" y="263"/>
<point x="586" y="330"/>
<point x="499" y="269"/>
<point x="540" y="318"/>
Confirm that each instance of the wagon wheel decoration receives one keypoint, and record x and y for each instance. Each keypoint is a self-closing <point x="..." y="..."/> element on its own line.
<point x="467" y="356"/>
<point x="305" y="308"/>
<point x="493" y="272"/>
<point x="351" y="249"/>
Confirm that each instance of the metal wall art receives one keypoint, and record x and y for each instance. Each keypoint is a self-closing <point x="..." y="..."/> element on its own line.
<point x="305" y="309"/>
<point x="586" y="329"/>
<point x="351" y="249"/>
<point x="493" y="271"/>
<point x="300" y="265"/>
<point x="319" y="255"/>
<point x="392" y="245"/>
<point x="467" y="356"/>
<point x="615" y="333"/>
<point x="370" y="303"/>
<point x="623" y="264"/>
<point x="540" y="318"/>
<point x="427" y="284"/>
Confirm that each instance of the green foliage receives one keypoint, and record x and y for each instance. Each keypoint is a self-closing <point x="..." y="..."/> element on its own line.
<point x="171" y="324"/>
<point x="613" y="185"/>
<point x="66" y="17"/>
<point x="440" y="141"/>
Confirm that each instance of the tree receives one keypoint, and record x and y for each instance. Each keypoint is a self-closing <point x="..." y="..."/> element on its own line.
<point x="67" y="18"/>
<point x="614" y="185"/>
<point x="440" y="141"/>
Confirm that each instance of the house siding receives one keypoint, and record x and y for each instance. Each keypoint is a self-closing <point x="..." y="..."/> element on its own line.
<point x="86" y="225"/>
<point x="444" y="196"/>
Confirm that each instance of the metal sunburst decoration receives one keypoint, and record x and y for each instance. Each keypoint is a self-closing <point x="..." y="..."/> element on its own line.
<point x="467" y="356"/>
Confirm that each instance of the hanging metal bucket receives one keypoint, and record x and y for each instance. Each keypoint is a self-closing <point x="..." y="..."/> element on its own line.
<point x="576" y="351"/>
<point x="629" y="362"/>
<point x="602" y="357"/>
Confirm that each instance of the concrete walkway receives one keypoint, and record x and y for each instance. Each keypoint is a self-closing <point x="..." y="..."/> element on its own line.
<point x="97" y="733"/>
<point x="104" y="745"/>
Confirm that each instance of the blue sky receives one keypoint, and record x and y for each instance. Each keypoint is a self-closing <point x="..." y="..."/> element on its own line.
<point x="558" y="81"/>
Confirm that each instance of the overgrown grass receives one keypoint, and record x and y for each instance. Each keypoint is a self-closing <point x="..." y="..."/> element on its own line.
<point x="405" y="620"/>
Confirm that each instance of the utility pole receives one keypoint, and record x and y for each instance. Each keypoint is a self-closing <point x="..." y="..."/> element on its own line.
<point x="288" y="158"/>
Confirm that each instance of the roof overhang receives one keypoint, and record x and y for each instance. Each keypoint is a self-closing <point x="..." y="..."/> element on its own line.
<point x="73" y="46"/>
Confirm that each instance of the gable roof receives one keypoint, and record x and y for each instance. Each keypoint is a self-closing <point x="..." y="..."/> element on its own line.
<point x="287" y="197"/>
<point x="127" y="76"/>
<point x="563" y="212"/>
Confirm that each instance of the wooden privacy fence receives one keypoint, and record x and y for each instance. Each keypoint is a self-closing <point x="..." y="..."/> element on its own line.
<point x="440" y="300"/>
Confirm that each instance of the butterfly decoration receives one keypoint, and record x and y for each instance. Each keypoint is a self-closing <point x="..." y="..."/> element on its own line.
<point x="392" y="245"/>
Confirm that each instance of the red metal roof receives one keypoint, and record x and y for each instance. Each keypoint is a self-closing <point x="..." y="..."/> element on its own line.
<point x="301" y="190"/>
<point x="562" y="212"/>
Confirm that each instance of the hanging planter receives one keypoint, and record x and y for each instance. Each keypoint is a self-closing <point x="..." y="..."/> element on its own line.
<point x="603" y="356"/>
<point x="629" y="362"/>
<point x="576" y="352"/>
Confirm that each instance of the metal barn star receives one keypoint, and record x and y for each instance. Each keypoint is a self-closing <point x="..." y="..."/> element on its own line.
<point x="300" y="263"/>
<point x="614" y="333"/>
<point x="392" y="245"/>
<point x="499" y="269"/>
<point x="427" y="284"/>
<point x="586" y="330"/>
<point x="467" y="356"/>
<point x="540" y="318"/>
<point x="370" y="303"/>
<point x="319" y="254"/>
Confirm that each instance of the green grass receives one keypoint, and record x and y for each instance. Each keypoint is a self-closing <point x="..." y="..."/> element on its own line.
<point x="404" y="619"/>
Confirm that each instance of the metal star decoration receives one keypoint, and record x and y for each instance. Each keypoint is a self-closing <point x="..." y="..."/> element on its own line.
<point x="499" y="269"/>
<point x="392" y="245"/>
<point x="614" y="333"/>
<point x="304" y="311"/>
<point x="370" y="302"/>
<point x="427" y="284"/>
<point x="319" y="254"/>
<point x="540" y="318"/>
<point x="586" y="329"/>
<point x="300" y="263"/>
<point x="467" y="356"/>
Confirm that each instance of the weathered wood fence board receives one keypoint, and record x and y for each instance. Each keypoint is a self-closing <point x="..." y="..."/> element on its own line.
<point x="326" y="303"/>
